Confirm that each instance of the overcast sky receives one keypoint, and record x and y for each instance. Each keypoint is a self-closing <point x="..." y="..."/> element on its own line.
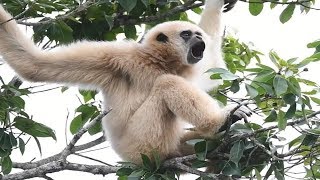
<point x="265" y="31"/>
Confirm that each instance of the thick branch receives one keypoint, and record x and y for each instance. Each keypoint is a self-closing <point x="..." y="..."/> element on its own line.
<point x="30" y="165"/>
<point x="57" y="166"/>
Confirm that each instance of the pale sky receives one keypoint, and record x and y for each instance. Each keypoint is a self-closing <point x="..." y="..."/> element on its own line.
<point x="265" y="31"/>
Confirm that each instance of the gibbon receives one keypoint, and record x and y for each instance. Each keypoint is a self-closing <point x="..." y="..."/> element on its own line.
<point x="151" y="86"/>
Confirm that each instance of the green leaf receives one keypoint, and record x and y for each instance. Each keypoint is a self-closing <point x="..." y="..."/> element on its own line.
<point x="145" y="2"/>
<point x="5" y="141"/>
<point x="309" y="140"/>
<point x="5" y="152"/>
<point x="157" y="159"/>
<point x="197" y="10"/>
<point x="296" y="141"/>
<point x="110" y="21"/>
<point x="146" y="162"/>
<point x="291" y="111"/>
<point x="22" y="146"/>
<point x="282" y="122"/>
<point x="87" y="111"/>
<point x="294" y="86"/>
<point x="279" y="170"/>
<point x="255" y="7"/>
<point x="76" y="124"/>
<point x="199" y="164"/>
<point x="128" y="5"/>
<point x="264" y="76"/>
<point x="88" y="95"/>
<point x="241" y="128"/>
<point x="252" y="92"/>
<point x="268" y="89"/>
<point x="130" y="31"/>
<point x="272" y="116"/>
<point x="257" y="173"/>
<point x="95" y="129"/>
<point x="13" y="140"/>
<point x="280" y="85"/>
<point x="201" y="150"/>
<point x="316" y="100"/>
<point x="17" y="102"/>
<point x="136" y="174"/>
<point x="124" y="172"/>
<point x="272" y="5"/>
<point x="38" y="144"/>
<point x="314" y="44"/>
<point x="223" y="73"/>
<point x="289" y="98"/>
<point x="235" y="86"/>
<point x="307" y="82"/>
<point x="236" y="151"/>
<point x="33" y="128"/>
<point x="6" y="165"/>
<point x="275" y="59"/>
<point x="287" y="13"/>
<point x="231" y="169"/>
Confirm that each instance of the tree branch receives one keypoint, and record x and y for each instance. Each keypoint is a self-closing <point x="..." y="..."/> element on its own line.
<point x="122" y="19"/>
<point x="81" y="8"/>
<point x="301" y="3"/>
<point x="58" y="162"/>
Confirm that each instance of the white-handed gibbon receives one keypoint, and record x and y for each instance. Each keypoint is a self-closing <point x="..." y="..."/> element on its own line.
<point x="150" y="85"/>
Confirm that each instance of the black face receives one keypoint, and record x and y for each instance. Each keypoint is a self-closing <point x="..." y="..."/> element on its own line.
<point x="196" y="44"/>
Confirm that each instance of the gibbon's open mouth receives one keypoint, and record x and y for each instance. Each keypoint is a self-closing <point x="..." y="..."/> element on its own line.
<point x="195" y="53"/>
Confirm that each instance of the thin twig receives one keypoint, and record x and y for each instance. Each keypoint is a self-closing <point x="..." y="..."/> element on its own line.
<point x="68" y="150"/>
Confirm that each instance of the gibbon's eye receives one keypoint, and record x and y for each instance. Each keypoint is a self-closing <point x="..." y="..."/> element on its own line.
<point x="186" y="35"/>
<point x="198" y="33"/>
<point x="162" y="38"/>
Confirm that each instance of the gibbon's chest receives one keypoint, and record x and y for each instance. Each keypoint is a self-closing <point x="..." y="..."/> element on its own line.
<point x="124" y="104"/>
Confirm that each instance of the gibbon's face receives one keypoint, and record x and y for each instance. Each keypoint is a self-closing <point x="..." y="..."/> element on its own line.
<point x="178" y="38"/>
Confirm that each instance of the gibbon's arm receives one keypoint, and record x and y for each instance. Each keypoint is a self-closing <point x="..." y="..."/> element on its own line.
<point x="88" y="63"/>
<point x="211" y="17"/>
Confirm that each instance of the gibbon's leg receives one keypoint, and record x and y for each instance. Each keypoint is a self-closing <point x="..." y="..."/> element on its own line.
<point x="81" y="63"/>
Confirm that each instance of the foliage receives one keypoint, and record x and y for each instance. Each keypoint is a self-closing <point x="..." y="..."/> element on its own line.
<point x="275" y="89"/>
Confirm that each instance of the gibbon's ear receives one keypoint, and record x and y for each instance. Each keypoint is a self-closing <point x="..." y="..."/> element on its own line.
<point x="162" y="38"/>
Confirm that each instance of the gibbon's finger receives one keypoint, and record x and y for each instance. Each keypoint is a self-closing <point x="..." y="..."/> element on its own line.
<point x="245" y="110"/>
<point x="228" y="5"/>
<point x="238" y="115"/>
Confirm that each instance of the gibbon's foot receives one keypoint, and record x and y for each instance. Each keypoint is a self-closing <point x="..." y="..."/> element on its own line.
<point x="240" y="113"/>
<point x="228" y="5"/>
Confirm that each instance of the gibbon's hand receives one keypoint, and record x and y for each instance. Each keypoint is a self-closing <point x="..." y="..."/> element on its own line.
<point x="240" y="113"/>
<point x="228" y="5"/>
